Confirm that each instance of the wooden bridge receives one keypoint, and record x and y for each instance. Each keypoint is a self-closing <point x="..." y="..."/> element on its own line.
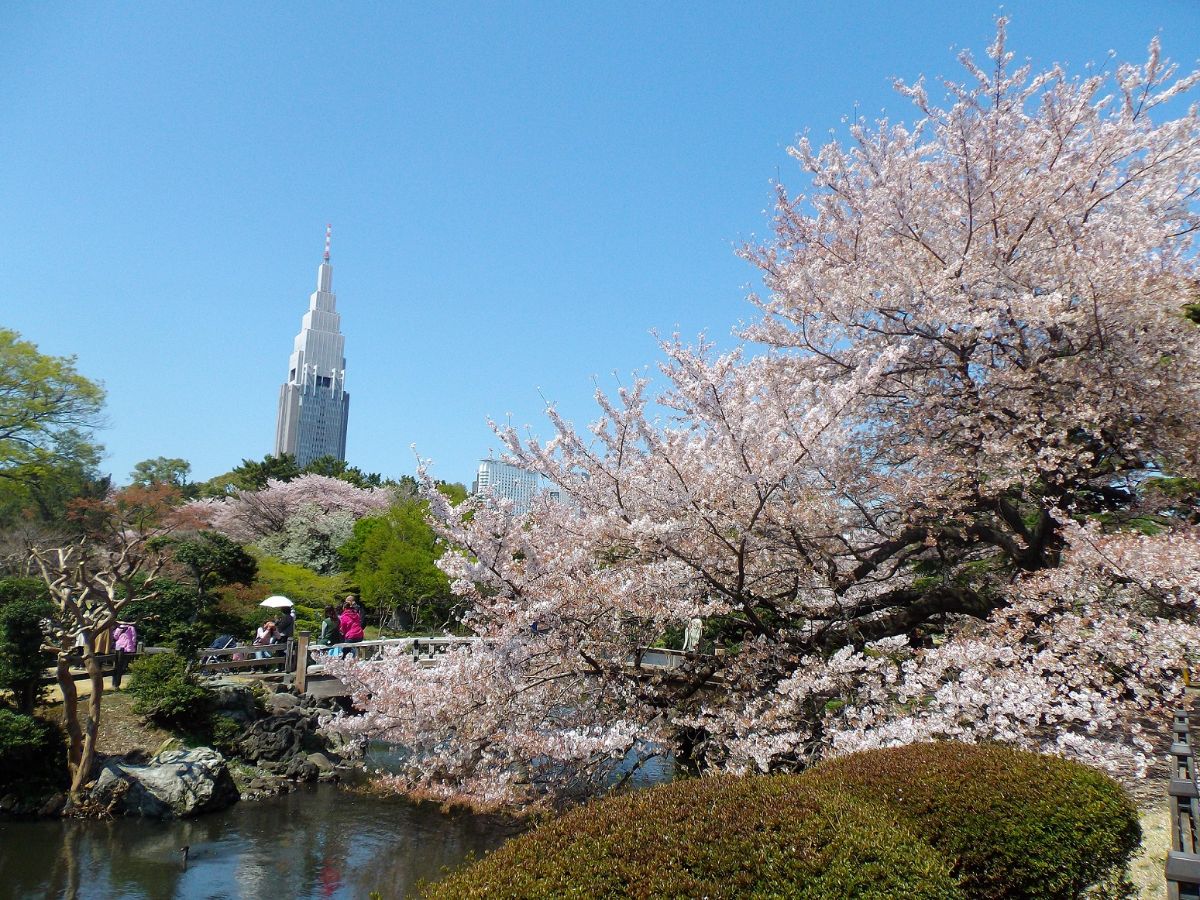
<point x="303" y="662"/>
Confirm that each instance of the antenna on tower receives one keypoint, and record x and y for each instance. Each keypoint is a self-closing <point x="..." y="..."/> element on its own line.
<point x="328" y="238"/>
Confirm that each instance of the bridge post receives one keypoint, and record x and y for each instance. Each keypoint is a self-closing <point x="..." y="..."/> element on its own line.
<point x="300" y="680"/>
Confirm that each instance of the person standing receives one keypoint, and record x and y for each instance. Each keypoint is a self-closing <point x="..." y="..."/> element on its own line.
<point x="331" y="629"/>
<point x="124" y="635"/>
<point x="350" y="624"/>
<point x="285" y="625"/>
<point x="359" y="608"/>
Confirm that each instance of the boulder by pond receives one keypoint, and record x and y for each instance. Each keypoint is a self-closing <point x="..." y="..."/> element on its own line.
<point x="173" y="784"/>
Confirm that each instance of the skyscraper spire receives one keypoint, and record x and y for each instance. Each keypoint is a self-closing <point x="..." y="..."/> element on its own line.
<point x="313" y="402"/>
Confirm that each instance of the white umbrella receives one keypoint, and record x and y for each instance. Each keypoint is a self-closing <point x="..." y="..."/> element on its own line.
<point x="277" y="600"/>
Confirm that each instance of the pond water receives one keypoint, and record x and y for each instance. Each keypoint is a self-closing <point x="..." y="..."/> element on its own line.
<point x="314" y="842"/>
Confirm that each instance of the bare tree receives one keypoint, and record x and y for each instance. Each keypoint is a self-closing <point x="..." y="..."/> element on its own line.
<point x="117" y="557"/>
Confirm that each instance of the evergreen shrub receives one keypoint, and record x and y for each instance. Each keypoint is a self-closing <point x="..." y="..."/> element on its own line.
<point x="22" y="660"/>
<point x="720" y="837"/>
<point x="922" y="821"/>
<point x="33" y="756"/>
<point x="167" y="693"/>
<point x="1012" y="823"/>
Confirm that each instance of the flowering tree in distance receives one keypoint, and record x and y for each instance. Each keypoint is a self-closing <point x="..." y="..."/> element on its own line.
<point x="249" y="516"/>
<point x="950" y="498"/>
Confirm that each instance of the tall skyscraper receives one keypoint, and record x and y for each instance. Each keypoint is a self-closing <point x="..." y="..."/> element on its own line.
<point x="313" y="403"/>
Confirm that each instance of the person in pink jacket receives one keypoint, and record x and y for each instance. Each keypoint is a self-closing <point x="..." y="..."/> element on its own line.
<point x="124" y="635"/>
<point x="351" y="624"/>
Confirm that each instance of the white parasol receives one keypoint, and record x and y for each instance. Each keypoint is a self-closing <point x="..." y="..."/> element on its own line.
<point x="277" y="600"/>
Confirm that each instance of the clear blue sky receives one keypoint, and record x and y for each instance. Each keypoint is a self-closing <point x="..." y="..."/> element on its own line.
<point x="519" y="192"/>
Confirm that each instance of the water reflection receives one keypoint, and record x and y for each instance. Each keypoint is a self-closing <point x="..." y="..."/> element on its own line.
<point x="313" y="843"/>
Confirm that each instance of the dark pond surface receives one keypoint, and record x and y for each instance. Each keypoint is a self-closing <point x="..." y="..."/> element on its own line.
<point x="315" y="842"/>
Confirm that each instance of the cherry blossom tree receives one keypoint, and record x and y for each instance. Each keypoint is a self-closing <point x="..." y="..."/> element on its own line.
<point x="924" y="505"/>
<point x="249" y="516"/>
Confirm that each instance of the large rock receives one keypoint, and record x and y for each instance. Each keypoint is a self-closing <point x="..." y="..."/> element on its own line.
<point x="177" y="783"/>
<point x="280" y="737"/>
<point x="237" y="701"/>
<point x="280" y="703"/>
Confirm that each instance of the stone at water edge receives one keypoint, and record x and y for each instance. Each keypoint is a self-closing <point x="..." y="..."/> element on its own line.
<point x="321" y="761"/>
<point x="177" y="783"/>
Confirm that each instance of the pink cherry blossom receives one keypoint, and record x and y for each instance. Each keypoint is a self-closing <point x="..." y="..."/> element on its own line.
<point x="905" y="509"/>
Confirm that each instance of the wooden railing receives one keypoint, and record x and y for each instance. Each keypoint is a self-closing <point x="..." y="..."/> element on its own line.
<point x="311" y="658"/>
<point x="107" y="661"/>
<point x="246" y="658"/>
<point x="1183" y="860"/>
<point x="302" y="658"/>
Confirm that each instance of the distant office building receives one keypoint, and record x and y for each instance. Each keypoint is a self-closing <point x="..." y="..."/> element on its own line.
<point x="506" y="482"/>
<point x="313" y="404"/>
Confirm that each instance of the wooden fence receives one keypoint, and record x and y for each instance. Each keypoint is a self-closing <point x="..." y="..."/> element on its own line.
<point x="108" y="662"/>
<point x="301" y="658"/>
<point x="1183" y="860"/>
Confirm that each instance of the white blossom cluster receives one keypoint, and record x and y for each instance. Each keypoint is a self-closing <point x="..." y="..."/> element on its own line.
<point x="914" y="510"/>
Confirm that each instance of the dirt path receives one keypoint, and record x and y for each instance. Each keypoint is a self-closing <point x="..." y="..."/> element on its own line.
<point x="83" y="687"/>
<point x="1147" y="868"/>
<point x="121" y="729"/>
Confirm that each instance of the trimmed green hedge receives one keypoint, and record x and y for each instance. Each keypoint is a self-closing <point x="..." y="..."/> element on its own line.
<point x="721" y="837"/>
<point x="924" y="821"/>
<point x="1014" y="824"/>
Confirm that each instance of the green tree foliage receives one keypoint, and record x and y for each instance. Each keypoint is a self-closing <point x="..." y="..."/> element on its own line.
<point x="24" y="602"/>
<point x="454" y="491"/>
<point x="251" y="475"/>
<point x="47" y="412"/>
<point x="162" y="470"/>
<point x="393" y="558"/>
<point x="46" y="499"/>
<point x="13" y="589"/>
<point x="214" y="560"/>
<point x="175" y="604"/>
<point x="332" y="467"/>
<point x="46" y="409"/>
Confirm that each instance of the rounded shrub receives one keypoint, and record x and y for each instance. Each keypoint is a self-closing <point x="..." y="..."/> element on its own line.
<point x="720" y="837"/>
<point x="33" y="756"/>
<point x="1012" y="824"/>
<point x="165" y="692"/>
